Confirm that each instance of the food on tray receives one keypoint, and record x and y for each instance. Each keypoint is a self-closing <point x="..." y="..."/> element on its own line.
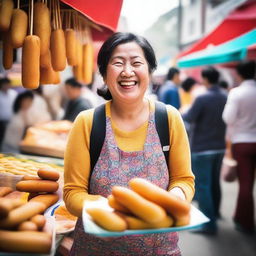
<point x="7" y="204"/>
<point x="39" y="220"/>
<point x="37" y="186"/>
<point x="22" y="213"/>
<point x="19" y="166"/>
<point x="22" y="227"/>
<point x="5" y="190"/>
<point x="27" y="226"/>
<point x="48" y="174"/>
<point x="47" y="199"/>
<point x="25" y="241"/>
<point x="117" y="206"/>
<point x="136" y="223"/>
<point x="172" y="204"/>
<point x="138" y="205"/>
<point x="144" y="206"/>
<point x="107" y="219"/>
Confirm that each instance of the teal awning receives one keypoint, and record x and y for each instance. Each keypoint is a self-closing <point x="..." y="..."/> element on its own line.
<point x="233" y="50"/>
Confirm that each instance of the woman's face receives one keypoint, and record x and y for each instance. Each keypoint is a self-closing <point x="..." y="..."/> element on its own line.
<point x="127" y="75"/>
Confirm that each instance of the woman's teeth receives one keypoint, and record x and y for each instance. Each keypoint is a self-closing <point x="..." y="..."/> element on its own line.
<point x="128" y="83"/>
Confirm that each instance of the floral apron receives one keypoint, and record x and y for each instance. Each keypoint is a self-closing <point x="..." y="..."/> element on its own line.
<point x="116" y="167"/>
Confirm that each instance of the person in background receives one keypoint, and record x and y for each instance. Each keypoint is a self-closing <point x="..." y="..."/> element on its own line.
<point x="131" y="149"/>
<point x="18" y="123"/>
<point x="185" y="93"/>
<point x="53" y="95"/>
<point x="7" y="97"/>
<point x="39" y="105"/>
<point x="76" y="102"/>
<point x="224" y="86"/>
<point x="208" y="146"/>
<point x="240" y="115"/>
<point x="168" y="92"/>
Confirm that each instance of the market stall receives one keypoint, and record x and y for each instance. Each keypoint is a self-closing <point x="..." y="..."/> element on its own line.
<point x="234" y="50"/>
<point x="51" y="35"/>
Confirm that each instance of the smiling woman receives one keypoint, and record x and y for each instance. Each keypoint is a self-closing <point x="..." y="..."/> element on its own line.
<point x="131" y="148"/>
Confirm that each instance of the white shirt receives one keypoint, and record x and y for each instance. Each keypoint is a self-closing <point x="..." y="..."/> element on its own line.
<point x="14" y="133"/>
<point x="240" y="112"/>
<point x="6" y="104"/>
<point x="38" y="112"/>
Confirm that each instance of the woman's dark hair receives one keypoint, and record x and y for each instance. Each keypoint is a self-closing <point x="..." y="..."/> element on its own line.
<point x="109" y="46"/>
<point x="20" y="98"/>
<point x="211" y="74"/>
<point x="188" y="83"/>
<point x="246" y="69"/>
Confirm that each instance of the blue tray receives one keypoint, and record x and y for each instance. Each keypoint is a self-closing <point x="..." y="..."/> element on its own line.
<point x="196" y="220"/>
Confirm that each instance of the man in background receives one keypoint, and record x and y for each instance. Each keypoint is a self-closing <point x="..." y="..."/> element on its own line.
<point x="208" y="146"/>
<point x="169" y="93"/>
<point x="76" y="102"/>
<point x="7" y="97"/>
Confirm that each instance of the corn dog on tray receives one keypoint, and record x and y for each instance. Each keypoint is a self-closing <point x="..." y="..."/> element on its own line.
<point x="14" y="166"/>
<point x="49" y="228"/>
<point x="197" y="218"/>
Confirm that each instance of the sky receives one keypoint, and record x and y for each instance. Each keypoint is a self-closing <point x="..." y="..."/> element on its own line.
<point x="141" y="14"/>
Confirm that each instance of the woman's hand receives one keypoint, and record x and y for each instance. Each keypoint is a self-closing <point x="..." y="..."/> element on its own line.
<point x="178" y="192"/>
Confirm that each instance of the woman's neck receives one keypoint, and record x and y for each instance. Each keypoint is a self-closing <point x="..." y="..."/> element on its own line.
<point x="130" y="117"/>
<point x="131" y="111"/>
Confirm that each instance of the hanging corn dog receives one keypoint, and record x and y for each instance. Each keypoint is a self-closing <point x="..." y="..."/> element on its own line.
<point x="57" y="41"/>
<point x="71" y="44"/>
<point x="88" y="62"/>
<point x="78" y="69"/>
<point x="42" y="26"/>
<point x="56" y="77"/>
<point x="18" y="29"/>
<point x="47" y="75"/>
<point x="30" y="62"/>
<point x="30" y="57"/>
<point x="58" y="51"/>
<point x="7" y="51"/>
<point x="45" y="60"/>
<point x="6" y="8"/>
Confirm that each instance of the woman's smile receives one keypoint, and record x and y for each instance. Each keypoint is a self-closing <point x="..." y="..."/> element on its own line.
<point x="128" y="73"/>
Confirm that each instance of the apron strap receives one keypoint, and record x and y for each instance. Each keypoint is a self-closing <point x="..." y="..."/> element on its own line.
<point x="162" y="128"/>
<point x="98" y="134"/>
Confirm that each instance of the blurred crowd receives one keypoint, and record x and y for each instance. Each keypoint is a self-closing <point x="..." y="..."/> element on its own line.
<point x="220" y="120"/>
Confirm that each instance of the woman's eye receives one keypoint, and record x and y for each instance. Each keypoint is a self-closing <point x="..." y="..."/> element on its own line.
<point x="137" y="63"/>
<point x="118" y="63"/>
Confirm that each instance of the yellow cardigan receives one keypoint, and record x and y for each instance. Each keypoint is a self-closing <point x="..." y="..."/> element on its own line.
<point x="77" y="156"/>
